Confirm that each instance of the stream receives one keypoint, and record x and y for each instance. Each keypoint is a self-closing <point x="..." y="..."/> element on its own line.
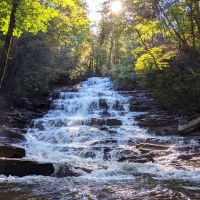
<point x="92" y="134"/>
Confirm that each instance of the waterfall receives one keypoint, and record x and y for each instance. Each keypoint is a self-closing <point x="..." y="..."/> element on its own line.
<point x="100" y="151"/>
<point x="94" y="129"/>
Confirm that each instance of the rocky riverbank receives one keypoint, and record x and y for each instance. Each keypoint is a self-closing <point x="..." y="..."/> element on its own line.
<point x="13" y="125"/>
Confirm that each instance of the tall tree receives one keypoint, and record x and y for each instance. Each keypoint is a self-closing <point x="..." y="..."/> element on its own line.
<point x="24" y="15"/>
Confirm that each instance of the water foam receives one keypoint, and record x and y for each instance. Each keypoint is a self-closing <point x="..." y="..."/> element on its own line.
<point x="68" y="134"/>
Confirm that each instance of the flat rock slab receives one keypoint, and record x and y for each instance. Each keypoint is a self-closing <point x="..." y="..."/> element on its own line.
<point x="137" y="158"/>
<point x="151" y="146"/>
<point x="10" y="136"/>
<point x="11" y="152"/>
<point x="19" y="167"/>
<point x="107" y="122"/>
<point x="192" y="128"/>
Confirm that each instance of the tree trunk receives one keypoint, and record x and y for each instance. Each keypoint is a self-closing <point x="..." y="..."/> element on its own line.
<point x="7" y="42"/>
<point x="197" y="15"/>
<point x="110" y="53"/>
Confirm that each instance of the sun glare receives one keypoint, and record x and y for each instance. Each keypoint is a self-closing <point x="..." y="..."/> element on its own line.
<point x="116" y="6"/>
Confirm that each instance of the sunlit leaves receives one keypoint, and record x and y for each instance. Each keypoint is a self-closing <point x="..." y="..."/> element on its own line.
<point x="33" y="15"/>
<point x="154" y="58"/>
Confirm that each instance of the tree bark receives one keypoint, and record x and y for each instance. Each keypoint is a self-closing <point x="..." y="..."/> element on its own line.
<point x="110" y="53"/>
<point x="7" y="42"/>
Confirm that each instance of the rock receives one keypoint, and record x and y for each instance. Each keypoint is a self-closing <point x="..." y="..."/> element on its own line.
<point x="105" y="113"/>
<point x="137" y="158"/>
<point x="151" y="123"/>
<point x="108" y="141"/>
<point x="188" y="156"/>
<point x="141" y="108"/>
<point x="19" y="167"/>
<point x="108" y="122"/>
<point x="103" y="104"/>
<point x="192" y="128"/>
<point x="113" y="122"/>
<point x="87" y="170"/>
<point x="96" y="122"/>
<point x="89" y="154"/>
<point x="11" y="136"/>
<point x="11" y="152"/>
<point x="148" y="146"/>
<point x="64" y="171"/>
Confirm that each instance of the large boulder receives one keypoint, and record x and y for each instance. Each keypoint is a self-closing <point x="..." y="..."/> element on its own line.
<point x="19" y="167"/>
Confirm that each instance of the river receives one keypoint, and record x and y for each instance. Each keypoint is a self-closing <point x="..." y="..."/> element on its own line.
<point x="90" y="131"/>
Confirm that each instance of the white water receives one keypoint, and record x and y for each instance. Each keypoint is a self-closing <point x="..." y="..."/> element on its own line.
<point x="66" y="137"/>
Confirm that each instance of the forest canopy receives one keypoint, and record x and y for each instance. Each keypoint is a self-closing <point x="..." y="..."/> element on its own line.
<point x="146" y="44"/>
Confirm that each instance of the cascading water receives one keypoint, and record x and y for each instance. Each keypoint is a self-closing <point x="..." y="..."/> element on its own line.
<point x="89" y="132"/>
<point x="89" y="126"/>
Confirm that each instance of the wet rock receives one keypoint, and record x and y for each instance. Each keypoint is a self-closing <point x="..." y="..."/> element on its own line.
<point x="39" y="125"/>
<point x="105" y="113"/>
<point x="118" y="106"/>
<point x="194" y="162"/>
<point x="17" y="120"/>
<point x="85" y="169"/>
<point x="141" y="108"/>
<point x="89" y="154"/>
<point x="64" y="171"/>
<point x="11" y="136"/>
<point x="107" y="141"/>
<point x="137" y="158"/>
<point x="168" y="130"/>
<point x="19" y="167"/>
<point x="148" y="146"/>
<point x="11" y="152"/>
<point x="107" y="122"/>
<point x="159" y="123"/>
<point x="103" y="104"/>
<point x="41" y="105"/>
<point x="96" y="122"/>
<point x="140" y="117"/>
<point x="154" y="123"/>
<point x="191" y="128"/>
<point x="113" y="122"/>
<point x="188" y="156"/>
<point x="106" y="155"/>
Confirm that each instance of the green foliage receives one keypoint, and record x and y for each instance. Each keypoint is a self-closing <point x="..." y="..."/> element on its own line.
<point x="181" y="96"/>
<point x="58" y="49"/>
<point x="155" y="58"/>
<point x="126" y="77"/>
<point x="165" y="51"/>
<point x="32" y="16"/>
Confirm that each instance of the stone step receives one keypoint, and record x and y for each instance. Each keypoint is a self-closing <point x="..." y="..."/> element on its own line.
<point x="11" y="152"/>
<point x="151" y="146"/>
<point x="107" y="122"/>
<point x="137" y="158"/>
<point x="19" y="167"/>
<point x="9" y="136"/>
